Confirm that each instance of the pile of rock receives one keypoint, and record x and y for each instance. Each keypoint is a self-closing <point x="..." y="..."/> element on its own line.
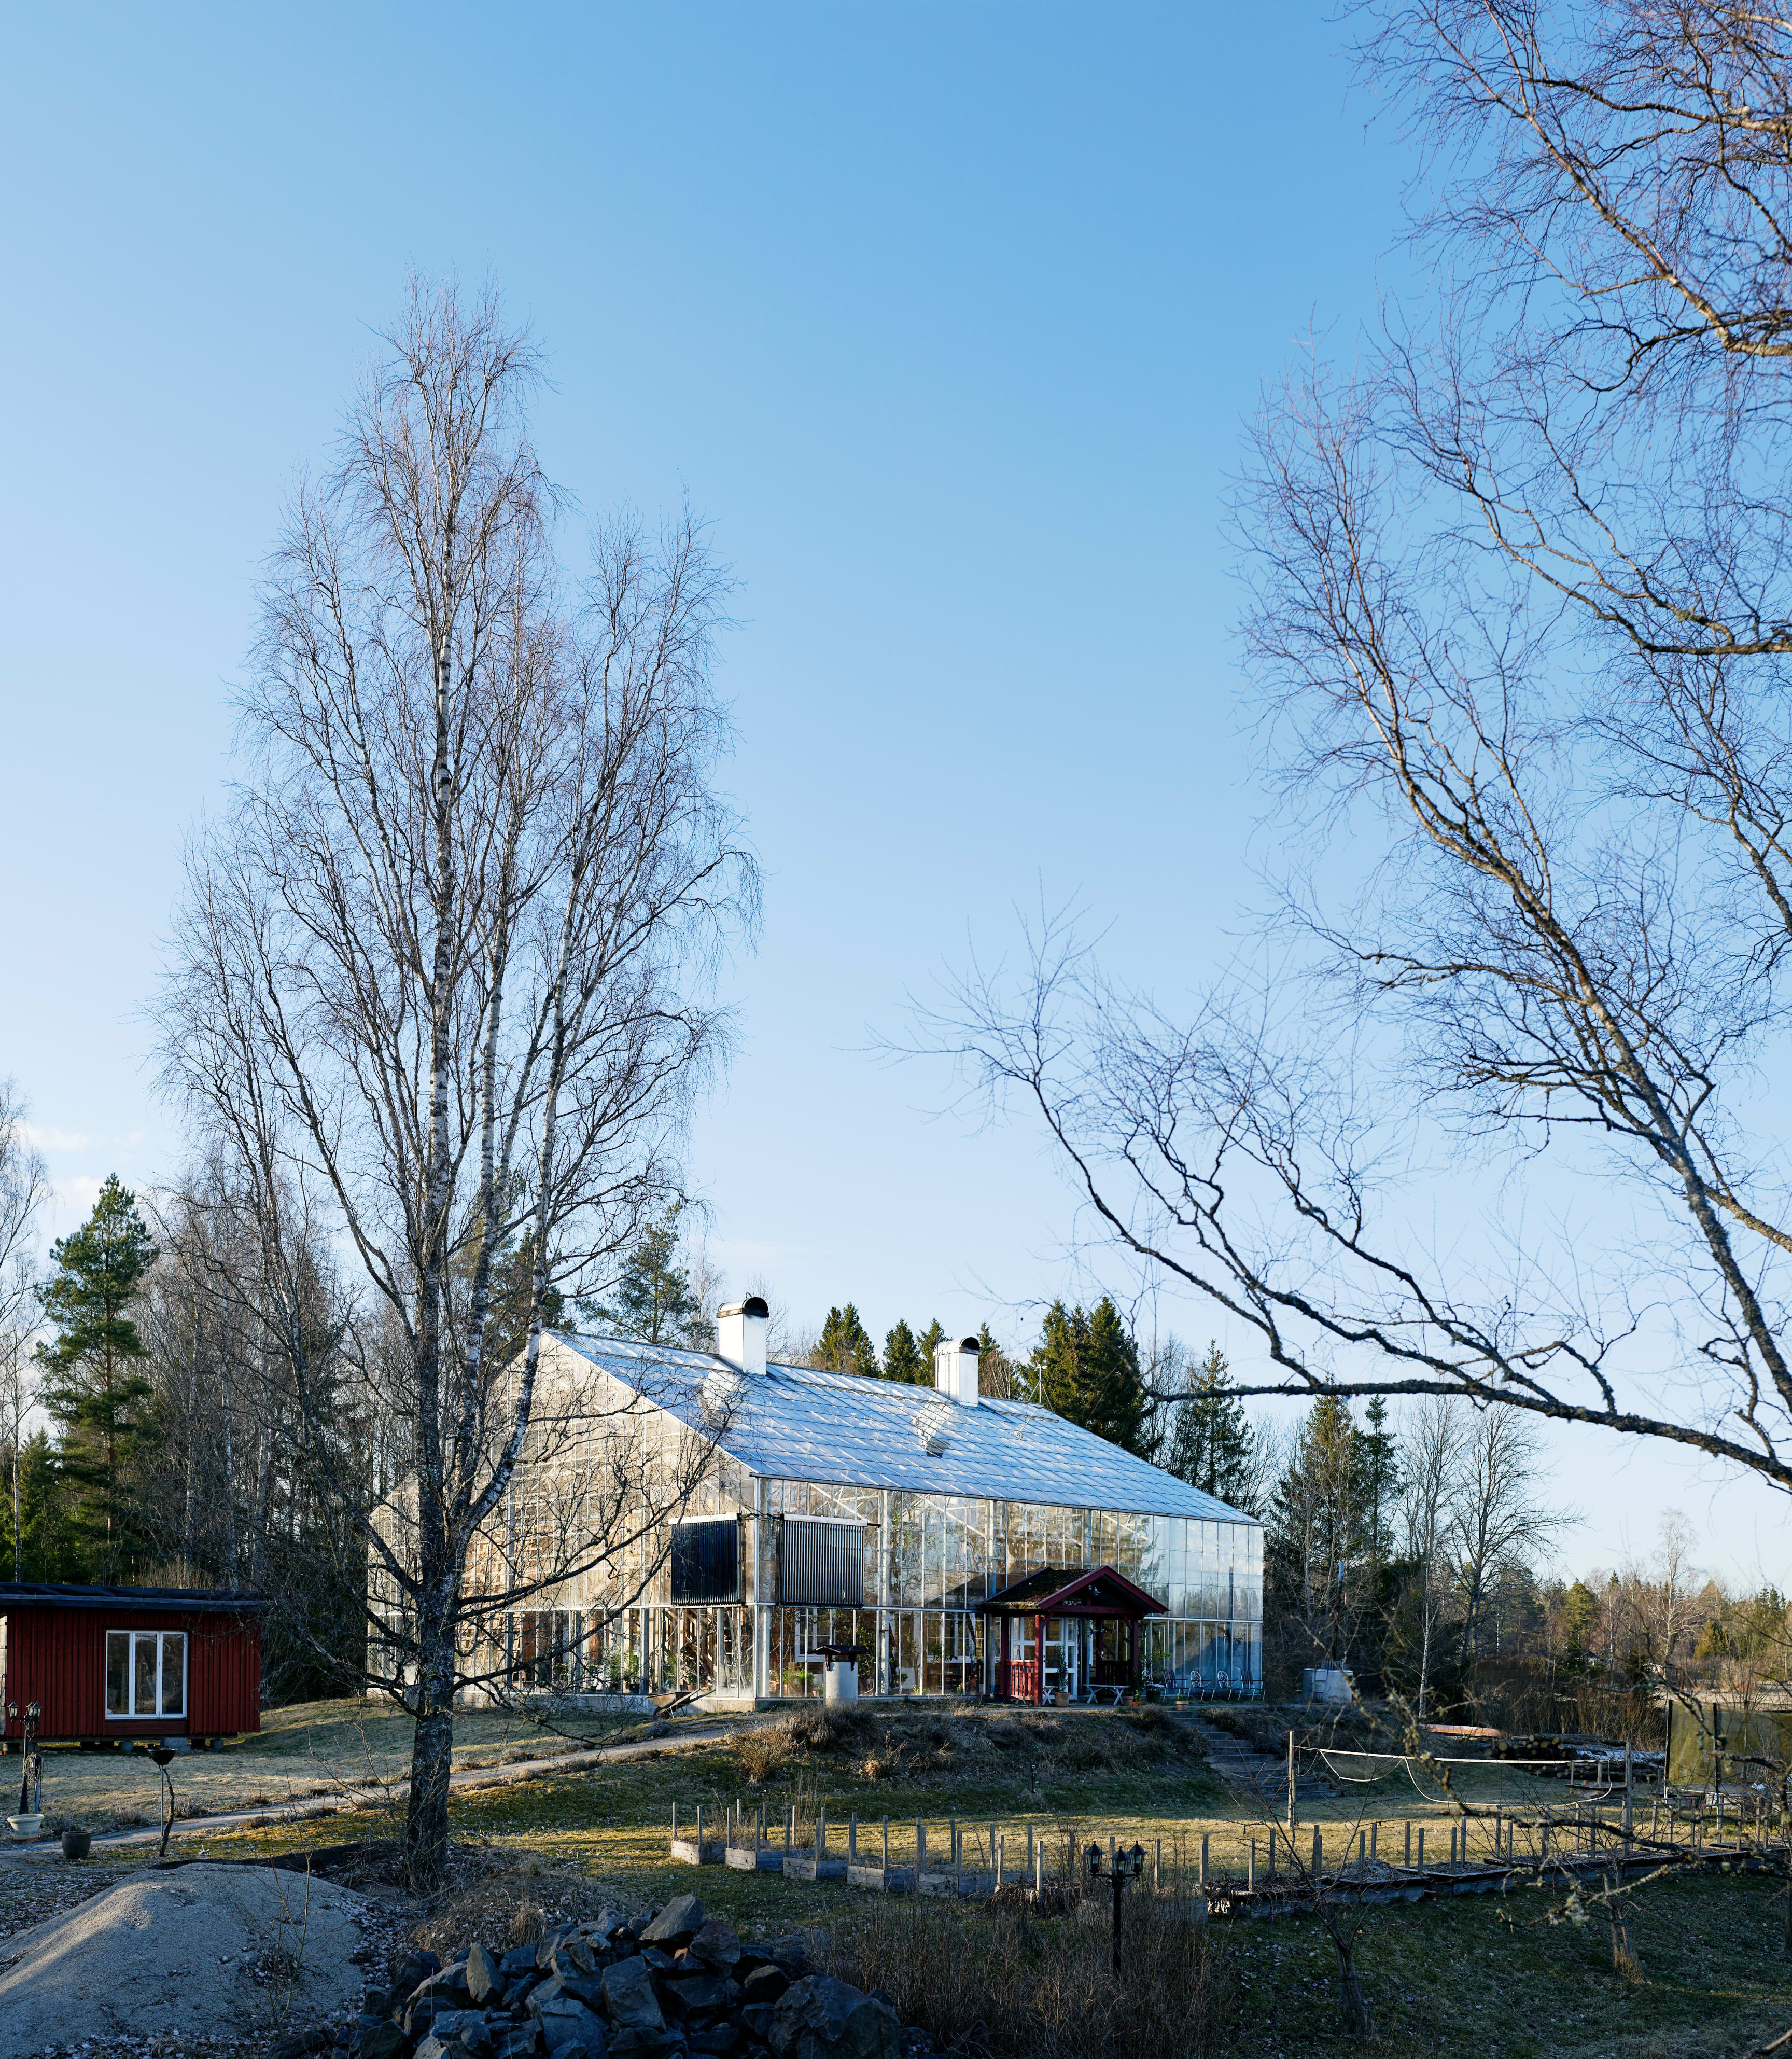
<point x="674" y="1986"/>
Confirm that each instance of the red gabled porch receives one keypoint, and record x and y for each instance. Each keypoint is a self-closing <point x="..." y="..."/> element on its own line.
<point x="1044" y="1646"/>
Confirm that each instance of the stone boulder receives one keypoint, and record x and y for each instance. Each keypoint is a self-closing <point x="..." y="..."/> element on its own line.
<point x="630" y="2000"/>
<point x="716" y="1945"/>
<point x="677" y="1923"/>
<point x="820" y="2018"/>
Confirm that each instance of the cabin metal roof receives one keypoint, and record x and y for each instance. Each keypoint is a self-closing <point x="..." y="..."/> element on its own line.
<point x="796" y="1423"/>
<point x="204" y="1601"/>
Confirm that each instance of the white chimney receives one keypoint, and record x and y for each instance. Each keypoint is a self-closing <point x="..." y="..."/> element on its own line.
<point x="740" y="1333"/>
<point x="955" y="1370"/>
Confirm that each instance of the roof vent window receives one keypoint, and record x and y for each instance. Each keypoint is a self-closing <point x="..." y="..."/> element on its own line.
<point x="932" y="1425"/>
<point x="720" y="1396"/>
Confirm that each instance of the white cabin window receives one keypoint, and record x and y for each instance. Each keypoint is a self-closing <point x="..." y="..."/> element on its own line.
<point x="146" y="1673"/>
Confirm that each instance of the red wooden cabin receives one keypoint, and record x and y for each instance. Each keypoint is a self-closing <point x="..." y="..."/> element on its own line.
<point x="107" y="1664"/>
<point x="1065" y="1632"/>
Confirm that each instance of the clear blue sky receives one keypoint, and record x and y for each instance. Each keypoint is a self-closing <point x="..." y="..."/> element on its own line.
<point x="948" y="318"/>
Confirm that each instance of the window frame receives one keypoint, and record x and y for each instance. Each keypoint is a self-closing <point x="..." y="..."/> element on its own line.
<point x="155" y="1715"/>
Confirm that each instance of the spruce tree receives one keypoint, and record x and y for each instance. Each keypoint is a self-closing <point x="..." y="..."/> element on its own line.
<point x="93" y="1387"/>
<point x="1317" y="1544"/>
<point x="1086" y="1369"/>
<point x="1118" y="1409"/>
<point x="929" y="1341"/>
<point x="1580" y="1624"/>
<point x="1378" y="1459"/>
<point x="1056" y="1367"/>
<point x="902" y="1358"/>
<point x="845" y="1345"/>
<point x="1212" y="1444"/>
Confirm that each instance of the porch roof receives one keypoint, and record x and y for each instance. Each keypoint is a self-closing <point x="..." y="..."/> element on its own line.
<point x="1100" y="1591"/>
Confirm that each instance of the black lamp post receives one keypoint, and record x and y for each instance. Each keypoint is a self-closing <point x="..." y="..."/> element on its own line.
<point x="1126" y="1865"/>
<point x="162" y="1755"/>
<point x="28" y="1749"/>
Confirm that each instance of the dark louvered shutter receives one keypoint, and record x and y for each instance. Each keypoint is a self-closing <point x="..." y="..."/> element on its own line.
<point x="821" y="1564"/>
<point x="705" y="1561"/>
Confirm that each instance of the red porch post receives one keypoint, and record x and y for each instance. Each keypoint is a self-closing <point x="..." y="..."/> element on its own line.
<point x="1039" y="1659"/>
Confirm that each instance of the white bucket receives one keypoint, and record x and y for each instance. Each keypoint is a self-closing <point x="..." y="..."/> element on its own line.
<point x="840" y="1684"/>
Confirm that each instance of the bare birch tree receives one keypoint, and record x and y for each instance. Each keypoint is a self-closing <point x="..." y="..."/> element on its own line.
<point x="441" y="976"/>
<point x="1430" y="1450"/>
<point x="1496" y="1519"/>
<point x="24" y="1189"/>
<point x="1519" y="633"/>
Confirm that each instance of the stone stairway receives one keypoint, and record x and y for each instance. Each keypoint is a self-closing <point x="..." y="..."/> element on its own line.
<point x="1261" y="1775"/>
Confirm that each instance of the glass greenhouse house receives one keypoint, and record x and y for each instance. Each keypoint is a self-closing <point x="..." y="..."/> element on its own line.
<point x="940" y="1543"/>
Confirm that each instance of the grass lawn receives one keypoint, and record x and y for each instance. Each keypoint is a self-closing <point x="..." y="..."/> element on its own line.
<point x="314" y="1750"/>
<point x="1478" y="1978"/>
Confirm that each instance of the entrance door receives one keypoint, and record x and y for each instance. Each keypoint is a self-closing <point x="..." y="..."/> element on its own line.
<point x="1064" y="1672"/>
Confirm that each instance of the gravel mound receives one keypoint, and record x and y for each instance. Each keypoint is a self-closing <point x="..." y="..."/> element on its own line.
<point x="198" y="1949"/>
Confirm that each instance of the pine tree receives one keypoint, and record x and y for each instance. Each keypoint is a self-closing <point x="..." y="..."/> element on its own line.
<point x="1086" y="1369"/>
<point x="902" y="1360"/>
<point x="653" y="1298"/>
<point x="1212" y="1444"/>
<point x="845" y="1345"/>
<point x="93" y="1389"/>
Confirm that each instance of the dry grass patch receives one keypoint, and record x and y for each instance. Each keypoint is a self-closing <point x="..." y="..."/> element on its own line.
<point x="1002" y="1983"/>
<point x="917" y="1745"/>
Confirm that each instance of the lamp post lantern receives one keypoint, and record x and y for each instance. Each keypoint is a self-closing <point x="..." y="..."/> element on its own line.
<point x="1125" y="1865"/>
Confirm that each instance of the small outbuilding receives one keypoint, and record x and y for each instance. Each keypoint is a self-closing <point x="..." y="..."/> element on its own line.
<point x="107" y="1664"/>
<point x="1057" y="1627"/>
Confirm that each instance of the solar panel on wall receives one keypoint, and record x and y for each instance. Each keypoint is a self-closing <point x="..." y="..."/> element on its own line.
<point x="820" y="1564"/>
<point x="705" y="1561"/>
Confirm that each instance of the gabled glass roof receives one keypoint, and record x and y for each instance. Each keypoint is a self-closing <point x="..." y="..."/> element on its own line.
<point x="797" y="1423"/>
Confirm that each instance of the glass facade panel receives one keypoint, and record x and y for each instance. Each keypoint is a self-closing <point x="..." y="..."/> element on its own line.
<point x="929" y="1561"/>
<point x="932" y="1560"/>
